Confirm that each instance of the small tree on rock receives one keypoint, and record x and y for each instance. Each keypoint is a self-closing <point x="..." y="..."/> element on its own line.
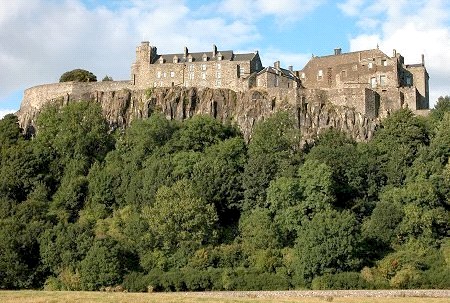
<point x="78" y="75"/>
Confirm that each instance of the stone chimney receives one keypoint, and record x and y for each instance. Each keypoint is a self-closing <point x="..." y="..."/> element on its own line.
<point x="214" y="52"/>
<point x="337" y="51"/>
<point x="276" y="64"/>
<point x="291" y="68"/>
<point x="394" y="53"/>
<point x="186" y="52"/>
<point x="423" y="60"/>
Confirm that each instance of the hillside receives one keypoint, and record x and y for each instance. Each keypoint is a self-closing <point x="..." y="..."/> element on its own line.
<point x="122" y="103"/>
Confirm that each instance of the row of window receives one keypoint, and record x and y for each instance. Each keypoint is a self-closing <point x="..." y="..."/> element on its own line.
<point x="189" y="59"/>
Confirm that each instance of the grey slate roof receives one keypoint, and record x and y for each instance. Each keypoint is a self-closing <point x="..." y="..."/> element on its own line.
<point x="282" y="72"/>
<point x="198" y="57"/>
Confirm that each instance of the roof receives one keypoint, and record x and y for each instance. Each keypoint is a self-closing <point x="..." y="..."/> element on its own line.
<point x="332" y="60"/>
<point x="197" y="57"/>
<point x="282" y="72"/>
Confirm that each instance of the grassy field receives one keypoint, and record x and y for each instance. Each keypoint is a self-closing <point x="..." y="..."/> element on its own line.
<point x="102" y="297"/>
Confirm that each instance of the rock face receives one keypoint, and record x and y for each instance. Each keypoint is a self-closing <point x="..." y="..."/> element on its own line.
<point x="122" y="103"/>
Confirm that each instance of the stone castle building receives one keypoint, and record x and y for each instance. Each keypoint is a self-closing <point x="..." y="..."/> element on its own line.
<point x="215" y="69"/>
<point x="369" y="81"/>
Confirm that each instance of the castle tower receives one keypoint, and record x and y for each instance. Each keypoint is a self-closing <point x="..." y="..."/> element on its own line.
<point x="145" y="55"/>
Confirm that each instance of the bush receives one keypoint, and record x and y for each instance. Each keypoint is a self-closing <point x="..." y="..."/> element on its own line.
<point x="78" y="75"/>
<point x="136" y="282"/>
<point x="344" y="280"/>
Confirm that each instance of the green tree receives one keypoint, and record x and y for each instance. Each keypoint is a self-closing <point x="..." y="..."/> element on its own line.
<point x="10" y="131"/>
<point x="105" y="264"/>
<point x="78" y="75"/>
<point x="179" y="217"/>
<point x="329" y="243"/>
<point x="271" y="150"/>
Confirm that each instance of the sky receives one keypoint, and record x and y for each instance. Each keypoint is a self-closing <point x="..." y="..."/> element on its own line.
<point x="42" y="39"/>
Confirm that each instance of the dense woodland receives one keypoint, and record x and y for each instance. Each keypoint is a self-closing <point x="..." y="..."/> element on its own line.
<point x="168" y="206"/>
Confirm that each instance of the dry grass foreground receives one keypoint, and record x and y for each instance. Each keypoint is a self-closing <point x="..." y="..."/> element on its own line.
<point x="227" y="297"/>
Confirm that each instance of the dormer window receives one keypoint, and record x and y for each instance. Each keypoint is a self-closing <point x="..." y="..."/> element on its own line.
<point x="320" y="74"/>
<point x="219" y="56"/>
<point x="175" y="59"/>
<point x="161" y="60"/>
<point x="205" y="57"/>
<point x="189" y="58"/>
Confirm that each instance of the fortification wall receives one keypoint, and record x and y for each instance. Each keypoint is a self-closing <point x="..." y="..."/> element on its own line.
<point x="35" y="98"/>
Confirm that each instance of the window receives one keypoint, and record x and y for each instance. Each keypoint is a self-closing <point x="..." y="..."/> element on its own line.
<point x="219" y="66"/>
<point x="383" y="62"/>
<point x="203" y="75"/>
<point x="320" y="74"/>
<point x="203" y="66"/>
<point x="218" y="82"/>
<point x="408" y="80"/>
<point x="370" y="65"/>
<point x="172" y="74"/>
<point x="373" y="82"/>
<point x="355" y="67"/>
<point x="383" y="80"/>
<point x="191" y="67"/>
<point x="161" y="60"/>
<point x="205" y="58"/>
<point x="191" y="76"/>
<point x="190" y="59"/>
<point x="343" y="74"/>
<point x="303" y="75"/>
<point x="175" y="59"/>
<point x="164" y="74"/>
<point x="241" y="71"/>
<point x="158" y="74"/>
<point x="218" y="75"/>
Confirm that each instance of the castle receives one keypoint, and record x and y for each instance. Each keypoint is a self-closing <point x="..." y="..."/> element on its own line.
<point x="369" y="81"/>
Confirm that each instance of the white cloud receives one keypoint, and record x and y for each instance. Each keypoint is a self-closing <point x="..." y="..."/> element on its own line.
<point x="351" y="7"/>
<point x="297" y="60"/>
<point x="41" y="39"/>
<point x="4" y="112"/>
<point x="412" y="28"/>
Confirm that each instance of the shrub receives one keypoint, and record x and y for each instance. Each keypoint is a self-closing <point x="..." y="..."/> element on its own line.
<point x="343" y="280"/>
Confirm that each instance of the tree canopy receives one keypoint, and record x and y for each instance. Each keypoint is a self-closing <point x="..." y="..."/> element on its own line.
<point x="190" y="206"/>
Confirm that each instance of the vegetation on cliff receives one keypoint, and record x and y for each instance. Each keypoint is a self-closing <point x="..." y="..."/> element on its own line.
<point x="169" y="205"/>
<point x="78" y="75"/>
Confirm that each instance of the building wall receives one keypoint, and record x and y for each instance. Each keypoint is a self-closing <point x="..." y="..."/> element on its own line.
<point x="147" y="72"/>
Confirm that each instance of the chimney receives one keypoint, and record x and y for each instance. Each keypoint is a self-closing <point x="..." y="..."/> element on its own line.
<point x="423" y="60"/>
<point x="337" y="51"/>
<point x="146" y="43"/>
<point x="394" y="53"/>
<point x="186" y="52"/>
<point x="291" y="68"/>
<point x="276" y="64"/>
<point x="214" y="52"/>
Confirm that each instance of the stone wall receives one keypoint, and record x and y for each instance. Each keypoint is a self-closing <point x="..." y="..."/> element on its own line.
<point x="120" y="107"/>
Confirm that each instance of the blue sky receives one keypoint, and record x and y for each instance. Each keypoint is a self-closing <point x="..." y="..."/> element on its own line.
<point x="41" y="39"/>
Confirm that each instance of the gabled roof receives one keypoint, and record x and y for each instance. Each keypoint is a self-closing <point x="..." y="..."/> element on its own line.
<point x="198" y="57"/>
<point x="345" y="58"/>
<point x="281" y="72"/>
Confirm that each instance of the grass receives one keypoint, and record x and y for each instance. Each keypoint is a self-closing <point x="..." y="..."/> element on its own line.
<point x="103" y="297"/>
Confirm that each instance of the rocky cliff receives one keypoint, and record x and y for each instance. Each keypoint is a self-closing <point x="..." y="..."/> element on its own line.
<point x="121" y="104"/>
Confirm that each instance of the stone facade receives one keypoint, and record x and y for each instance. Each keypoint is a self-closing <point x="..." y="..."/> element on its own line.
<point x="215" y="69"/>
<point x="369" y="81"/>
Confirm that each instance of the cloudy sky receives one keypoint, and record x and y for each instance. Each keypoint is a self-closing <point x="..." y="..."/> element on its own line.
<point x="41" y="39"/>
